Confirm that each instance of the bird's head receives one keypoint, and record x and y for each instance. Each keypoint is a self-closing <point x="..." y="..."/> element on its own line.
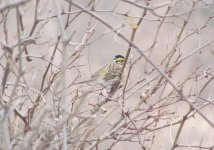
<point x="119" y="59"/>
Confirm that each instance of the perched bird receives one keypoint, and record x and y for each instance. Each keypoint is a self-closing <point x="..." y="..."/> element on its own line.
<point x="109" y="74"/>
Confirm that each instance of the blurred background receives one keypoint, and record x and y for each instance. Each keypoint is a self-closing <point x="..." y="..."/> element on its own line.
<point x="47" y="47"/>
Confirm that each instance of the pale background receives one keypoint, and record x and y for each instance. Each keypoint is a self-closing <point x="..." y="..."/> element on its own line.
<point x="191" y="74"/>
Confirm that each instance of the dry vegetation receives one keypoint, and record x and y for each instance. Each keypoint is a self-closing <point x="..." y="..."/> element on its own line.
<point x="164" y="100"/>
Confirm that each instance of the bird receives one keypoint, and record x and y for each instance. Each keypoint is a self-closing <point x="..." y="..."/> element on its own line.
<point x="109" y="74"/>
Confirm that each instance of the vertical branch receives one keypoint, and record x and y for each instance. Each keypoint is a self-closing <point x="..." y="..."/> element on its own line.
<point x="63" y="72"/>
<point x="5" y="75"/>
<point x="5" y="119"/>
<point x="20" y="69"/>
<point x="180" y="128"/>
<point x="134" y="30"/>
<point x="36" y="21"/>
